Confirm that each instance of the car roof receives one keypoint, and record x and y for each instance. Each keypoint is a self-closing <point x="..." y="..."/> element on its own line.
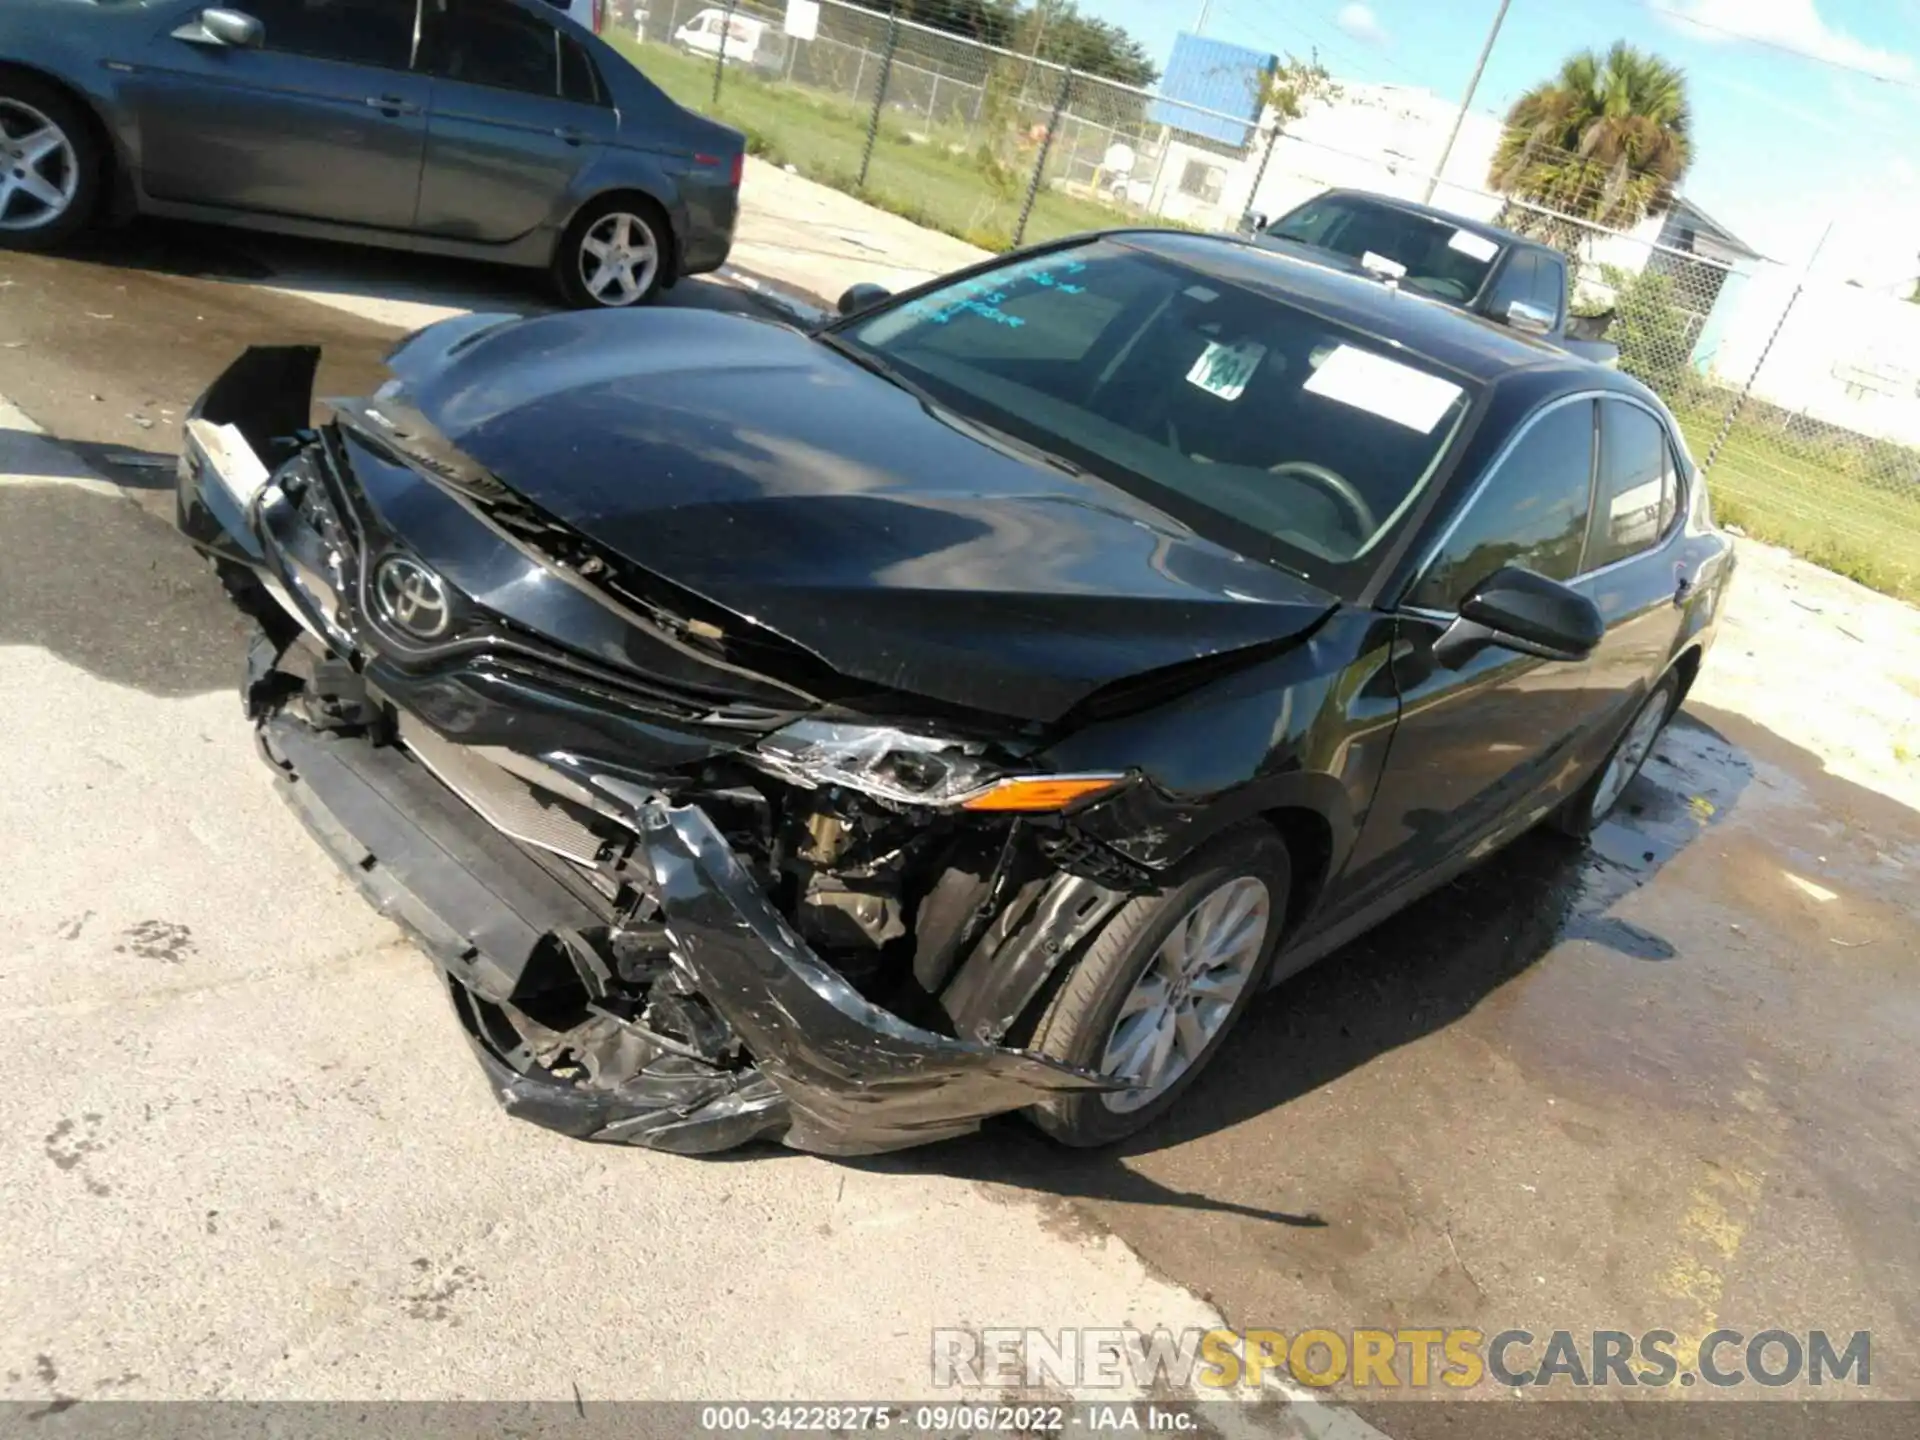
<point x="1433" y="212"/>
<point x="1439" y="333"/>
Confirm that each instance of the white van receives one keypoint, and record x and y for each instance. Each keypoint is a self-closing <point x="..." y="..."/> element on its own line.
<point x="701" y="35"/>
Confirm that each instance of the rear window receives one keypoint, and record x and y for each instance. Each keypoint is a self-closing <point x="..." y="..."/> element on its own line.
<point x="1290" y="436"/>
<point x="1440" y="259"/>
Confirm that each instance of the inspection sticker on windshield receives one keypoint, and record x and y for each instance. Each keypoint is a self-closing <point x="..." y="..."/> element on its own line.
<point x="1224" y="370"/>
<point x="1468" y="243"/>
<point x="1383" y="387"/>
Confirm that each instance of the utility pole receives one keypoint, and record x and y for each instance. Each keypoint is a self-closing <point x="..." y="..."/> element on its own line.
<point x="1433" y="180"/>
<point x="1200" y="21"/>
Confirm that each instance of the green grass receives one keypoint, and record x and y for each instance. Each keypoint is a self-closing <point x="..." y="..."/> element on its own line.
<point x="1863" y="525"/>
<point x="915" y="176"/>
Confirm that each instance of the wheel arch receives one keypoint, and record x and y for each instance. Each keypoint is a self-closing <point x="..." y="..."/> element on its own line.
<point x="1308" y="836"/>
<point x="118" y="180"/>
<point x="1686" y="669"/>
<point x="672" y="261"/>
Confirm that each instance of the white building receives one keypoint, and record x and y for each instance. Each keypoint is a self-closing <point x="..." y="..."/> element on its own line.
<point x="1384" y="138"/>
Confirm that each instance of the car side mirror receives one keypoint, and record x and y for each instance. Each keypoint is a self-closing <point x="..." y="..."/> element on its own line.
<point x="863" y="296"/>
<point x="1253" y="222"/>
<point x="1528" y="318"/>
<point x="224" y="29"/>
<point x="1518" y="610"/>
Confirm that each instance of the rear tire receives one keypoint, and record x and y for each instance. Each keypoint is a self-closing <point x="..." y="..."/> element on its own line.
<point x="1105" y="1003"/>
<point x="1588" y="807"/>
<point x="52" y="167"/>
<point x="615" y="255"/>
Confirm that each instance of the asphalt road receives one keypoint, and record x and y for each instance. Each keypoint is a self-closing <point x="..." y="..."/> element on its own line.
<point x="1667" y="1083"/>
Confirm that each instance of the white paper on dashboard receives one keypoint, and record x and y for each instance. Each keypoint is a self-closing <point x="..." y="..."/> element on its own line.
<point x="1383" y="387"/>
<point x="1224" y="370"/>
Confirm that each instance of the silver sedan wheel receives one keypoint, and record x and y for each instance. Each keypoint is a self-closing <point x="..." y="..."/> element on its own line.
<point x="1631" y="753"/>
<point x="619" y="257"/>
<point x="1183" y="998"/>
<point x="39" y="170"/>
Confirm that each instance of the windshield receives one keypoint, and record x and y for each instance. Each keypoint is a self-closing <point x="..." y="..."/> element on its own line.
<point x="1440" y="259"/>
<point x="1282" y="434"/>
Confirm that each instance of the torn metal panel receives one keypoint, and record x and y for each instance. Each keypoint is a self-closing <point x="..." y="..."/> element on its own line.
<point x="1014" y="960"/>
<point x="858" y="1079"/>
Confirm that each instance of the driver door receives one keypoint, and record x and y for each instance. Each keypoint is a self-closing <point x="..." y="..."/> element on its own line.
<point x="1477" y="747"/>
<point x="326" y="120"/>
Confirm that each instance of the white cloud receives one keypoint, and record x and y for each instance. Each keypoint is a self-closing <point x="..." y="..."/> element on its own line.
<point x="1361" y="23"/>
<point x="1794" y="24"/>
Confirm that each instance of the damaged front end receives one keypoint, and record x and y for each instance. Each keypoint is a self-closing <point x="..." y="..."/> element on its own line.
<point x="687" y="886"/>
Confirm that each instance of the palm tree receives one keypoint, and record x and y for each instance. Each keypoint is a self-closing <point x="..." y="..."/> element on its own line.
<point x="1605" y="140"/>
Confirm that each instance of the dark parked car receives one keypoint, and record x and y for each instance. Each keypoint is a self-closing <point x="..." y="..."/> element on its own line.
<point x="491" y="129"/>
<point x="1479" y="267"/>
<point x="964" y="708"/>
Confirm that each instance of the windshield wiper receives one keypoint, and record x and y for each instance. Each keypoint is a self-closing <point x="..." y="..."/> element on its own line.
<point x="1010" y="445"/>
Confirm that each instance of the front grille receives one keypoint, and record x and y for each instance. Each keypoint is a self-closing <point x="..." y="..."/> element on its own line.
<point x="504" y="800"/>
<point x="359" y="465"/>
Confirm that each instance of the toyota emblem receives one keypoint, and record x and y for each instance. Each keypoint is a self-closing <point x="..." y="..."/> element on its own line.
<point x="412" y="597"/>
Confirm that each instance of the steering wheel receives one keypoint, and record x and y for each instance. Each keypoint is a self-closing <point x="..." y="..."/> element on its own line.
<point x="1335" y="485"/>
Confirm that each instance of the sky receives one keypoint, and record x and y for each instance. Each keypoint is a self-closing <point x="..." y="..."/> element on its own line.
<point x="1806" y="113"/>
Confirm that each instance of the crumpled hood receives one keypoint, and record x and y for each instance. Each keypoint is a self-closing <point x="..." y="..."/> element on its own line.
<point x="755" y="467"/>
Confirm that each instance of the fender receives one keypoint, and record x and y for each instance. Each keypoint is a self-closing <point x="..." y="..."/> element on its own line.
<point x="1296" y="732"/>
<point x="618" y="168"/>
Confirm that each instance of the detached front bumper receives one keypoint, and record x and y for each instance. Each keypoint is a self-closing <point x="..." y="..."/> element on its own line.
<point x="779" y="1044"/>
<point x="828" y="1071"/>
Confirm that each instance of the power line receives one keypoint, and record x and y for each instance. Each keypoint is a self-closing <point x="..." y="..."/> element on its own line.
<point x="1905" y="83"/>
<point x="1380" y="57"/>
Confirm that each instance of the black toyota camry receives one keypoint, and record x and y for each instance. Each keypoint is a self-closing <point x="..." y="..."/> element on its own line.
<point x="966" y="707"/>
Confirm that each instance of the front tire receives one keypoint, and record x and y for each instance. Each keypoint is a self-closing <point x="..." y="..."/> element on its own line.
<point x="614" y="255"/>
<point x="52" y="168"/>
<point x="1161" y="986"/>
<point x="1589" y="806"/>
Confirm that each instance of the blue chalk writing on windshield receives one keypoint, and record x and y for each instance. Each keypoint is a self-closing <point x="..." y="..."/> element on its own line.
<point x="985" y="297"/>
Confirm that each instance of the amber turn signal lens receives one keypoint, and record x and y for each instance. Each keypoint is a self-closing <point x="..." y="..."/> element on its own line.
<point x="1041" y="792"/>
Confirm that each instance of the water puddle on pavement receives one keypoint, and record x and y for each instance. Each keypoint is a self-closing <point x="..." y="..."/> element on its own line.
<point x="1702" y="935"/>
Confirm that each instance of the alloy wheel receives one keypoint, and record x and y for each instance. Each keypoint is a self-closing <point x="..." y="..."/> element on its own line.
<point x="39" y="169"/>
<point x="1630" y="754"/>
<point x="1187" y="991"/>
<point x="619" y="258"/>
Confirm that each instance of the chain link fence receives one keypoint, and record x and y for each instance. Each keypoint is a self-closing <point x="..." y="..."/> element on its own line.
<point x="981" y="141"/>
<point x="1811" y="392"/>
<point x="1801" y="396"/>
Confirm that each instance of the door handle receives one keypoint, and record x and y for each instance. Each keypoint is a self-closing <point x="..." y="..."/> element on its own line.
<point x="392" y="105"/>
<point x="572" y="134"/>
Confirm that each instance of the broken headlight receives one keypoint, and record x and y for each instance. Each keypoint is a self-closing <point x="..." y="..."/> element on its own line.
<point x="910" y="769"/>
<point x="876" y="760"/>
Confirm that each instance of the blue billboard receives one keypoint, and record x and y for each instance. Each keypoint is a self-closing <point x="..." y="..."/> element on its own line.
<point x="1219" y="77"/>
